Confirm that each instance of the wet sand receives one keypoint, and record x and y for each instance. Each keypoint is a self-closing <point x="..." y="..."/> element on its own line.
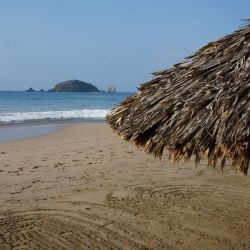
<point x="82" y="187"/>
<point x="17" y="132"/>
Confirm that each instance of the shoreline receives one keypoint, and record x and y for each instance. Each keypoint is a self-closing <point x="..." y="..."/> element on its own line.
<point x="52" y="121"/>
<point x="21" y="131"/>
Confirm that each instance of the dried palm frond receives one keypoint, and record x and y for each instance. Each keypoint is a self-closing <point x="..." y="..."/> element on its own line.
<point x="200" y="107"/>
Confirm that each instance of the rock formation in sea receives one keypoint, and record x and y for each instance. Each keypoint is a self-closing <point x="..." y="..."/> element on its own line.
<point x="30" y="90"/>
<point x="74" y="86"/>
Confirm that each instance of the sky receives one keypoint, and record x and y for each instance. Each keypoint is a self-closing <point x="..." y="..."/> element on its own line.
<point x="106" y="43"/>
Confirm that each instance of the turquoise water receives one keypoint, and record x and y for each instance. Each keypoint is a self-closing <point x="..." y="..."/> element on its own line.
<point x="21" y="107"/>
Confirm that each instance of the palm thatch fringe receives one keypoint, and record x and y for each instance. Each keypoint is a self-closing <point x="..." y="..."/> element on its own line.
<point x="200" y="107"/>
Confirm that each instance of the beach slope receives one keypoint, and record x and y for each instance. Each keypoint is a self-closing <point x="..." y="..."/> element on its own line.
<point x="82" y="187"/>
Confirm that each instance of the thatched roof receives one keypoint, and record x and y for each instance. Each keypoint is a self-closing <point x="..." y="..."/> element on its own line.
<point x="200" y="107"/>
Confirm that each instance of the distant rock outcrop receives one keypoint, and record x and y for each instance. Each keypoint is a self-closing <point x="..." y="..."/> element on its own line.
<point x="30" y="90"/>
<point x="74" y="86"/>
<point x="112" y="89"/>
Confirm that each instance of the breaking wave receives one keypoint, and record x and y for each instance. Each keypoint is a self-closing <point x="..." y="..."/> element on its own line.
<point x="19" y="117"/>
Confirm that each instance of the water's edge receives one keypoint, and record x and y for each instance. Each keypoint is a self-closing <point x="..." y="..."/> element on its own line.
<point x="13" y="132"/>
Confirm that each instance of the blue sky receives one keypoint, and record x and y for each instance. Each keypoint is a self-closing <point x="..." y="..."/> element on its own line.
<point x="111" y="42"/>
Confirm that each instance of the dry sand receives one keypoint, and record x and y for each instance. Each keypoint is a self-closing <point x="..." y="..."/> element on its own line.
<point x="84" y="188"/>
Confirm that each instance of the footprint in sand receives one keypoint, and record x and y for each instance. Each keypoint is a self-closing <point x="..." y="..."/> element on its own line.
<point x="35" y="167"/>
<point x="17" y="192"/>
<point x="58" y="164"/>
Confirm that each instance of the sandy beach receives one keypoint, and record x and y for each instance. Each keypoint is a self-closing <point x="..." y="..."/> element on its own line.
<point x="83" y="187"/>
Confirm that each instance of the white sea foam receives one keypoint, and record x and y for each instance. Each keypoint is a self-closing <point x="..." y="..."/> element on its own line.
<point x="53" y="115"/>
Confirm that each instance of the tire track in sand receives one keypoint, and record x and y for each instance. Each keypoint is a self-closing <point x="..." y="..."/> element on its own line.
<point x="66" y="229"/>
<point x="148" y="216"/>
<point x="191" y="216"/>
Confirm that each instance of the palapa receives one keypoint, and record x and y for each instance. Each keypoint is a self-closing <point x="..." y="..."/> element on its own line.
<point x="200" y="107"/>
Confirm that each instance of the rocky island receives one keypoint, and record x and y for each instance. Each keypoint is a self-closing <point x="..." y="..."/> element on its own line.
<point x="30" y="90"/>
<point x="74" y="86"/>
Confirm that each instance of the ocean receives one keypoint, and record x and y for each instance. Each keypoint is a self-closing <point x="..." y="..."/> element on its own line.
<point x="19" y="107"/>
